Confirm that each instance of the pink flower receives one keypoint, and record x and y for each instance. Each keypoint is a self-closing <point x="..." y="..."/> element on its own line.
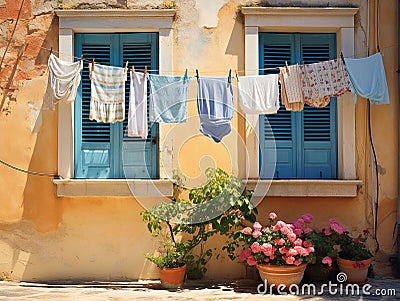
<point x="287" y="230"/>
<point x="292" y="252"/>
<point x="290" y="260"/>
<point x="251" y="261"/>
<point x="247" y="230"/>
<point x="255" y="247"/>
<point x="279" y="225"/>
<point x="279" y="241"/>
<point x="297" y="231"/>
<point x="310" y="250"/>
<point x="298" y="242"/>
<point x="257" y="226"/>
<point x="297" y="262"/>
<point x="266" y="259"/>
<point x="327" y="231"/>
<point x="245" y="254"/>
<point x="267" y="249"/>
<point x="300" y="250"/>
<point x="307" y="217"/>
<point x="283" y="250"/>
<point x="256" y="233"/>
<point x="292" y="237"/>
<point x="307" y="244"/>
<point x="272" y="215"/>
<point x="336" y="226"/>
<point x="308" y="230"/>
<point x="327" y="260"/>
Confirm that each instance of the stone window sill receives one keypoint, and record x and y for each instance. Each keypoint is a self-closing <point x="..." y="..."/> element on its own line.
<point x="113" y="187"/>
<point x="304" y="188"/>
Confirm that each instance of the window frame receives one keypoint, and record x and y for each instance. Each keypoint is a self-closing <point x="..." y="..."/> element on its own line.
<point x="303" y="20"/>
<point x="111" y="21"/>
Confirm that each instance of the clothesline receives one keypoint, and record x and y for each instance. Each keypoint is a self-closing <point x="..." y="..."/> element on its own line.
<point x="182" y="71"/>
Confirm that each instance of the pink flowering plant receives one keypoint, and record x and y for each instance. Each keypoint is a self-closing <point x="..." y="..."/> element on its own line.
<point x="332" y="241"/>
<point x="276" y="243"/>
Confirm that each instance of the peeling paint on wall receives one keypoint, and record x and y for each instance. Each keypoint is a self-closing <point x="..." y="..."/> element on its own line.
<point x="208" y="12"/>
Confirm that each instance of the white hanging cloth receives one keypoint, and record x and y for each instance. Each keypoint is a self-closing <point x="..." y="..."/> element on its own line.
<point x="63" y="81"/>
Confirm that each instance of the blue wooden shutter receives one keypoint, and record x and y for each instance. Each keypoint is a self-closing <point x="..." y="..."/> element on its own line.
<point x="306" y="143"/>
<point x="275" y="50"/>
<point x="319" y="151"/>
<point x="102" y="150"/>
<point x="139" y="156"/>
<point x="93" y="151"/>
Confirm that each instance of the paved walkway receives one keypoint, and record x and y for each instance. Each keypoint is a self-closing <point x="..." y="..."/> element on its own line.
<point x="193" y="290"/>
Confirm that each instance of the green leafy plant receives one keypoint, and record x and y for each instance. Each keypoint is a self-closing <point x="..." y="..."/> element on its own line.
<point x="219" y="205"/>
<point x="354" y="248"/>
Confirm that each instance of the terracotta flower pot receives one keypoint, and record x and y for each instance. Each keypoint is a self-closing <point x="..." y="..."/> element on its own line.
<point x="356" y="271"/>
<point x="281" y="274"/>
<point x="172" y="278"/>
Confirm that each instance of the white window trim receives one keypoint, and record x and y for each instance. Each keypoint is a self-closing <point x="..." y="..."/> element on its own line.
<point x="300" y="19"/>
<point x="103" y="21"/>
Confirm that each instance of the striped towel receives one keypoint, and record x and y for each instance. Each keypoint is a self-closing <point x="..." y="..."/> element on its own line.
<point x="107" y="100"/>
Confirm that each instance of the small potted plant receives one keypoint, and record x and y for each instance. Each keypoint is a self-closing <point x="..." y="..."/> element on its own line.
<point x="354" y="257"/>
<point x="171" y="264"/>
<point x="280" y="255"/>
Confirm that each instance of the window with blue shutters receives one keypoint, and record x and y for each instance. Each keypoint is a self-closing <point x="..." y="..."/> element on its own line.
<point x="306" y="142"/>
<point x="103" y="150"/>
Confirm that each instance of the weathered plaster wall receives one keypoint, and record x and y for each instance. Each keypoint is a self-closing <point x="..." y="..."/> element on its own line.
<point x="43" y="237"/>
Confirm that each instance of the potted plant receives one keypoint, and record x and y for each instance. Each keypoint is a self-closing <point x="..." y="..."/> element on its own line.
<point x="185" y="225"/>
<point x="334" y="245"/>
<point x="354" y="257"/>
<point x="279" y="254"/>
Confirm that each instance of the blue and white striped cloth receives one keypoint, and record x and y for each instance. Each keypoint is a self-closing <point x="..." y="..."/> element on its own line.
<point x="107" y="100"/>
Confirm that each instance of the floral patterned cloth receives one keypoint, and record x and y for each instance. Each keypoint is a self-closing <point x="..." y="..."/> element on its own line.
<point x="322" y="80"/>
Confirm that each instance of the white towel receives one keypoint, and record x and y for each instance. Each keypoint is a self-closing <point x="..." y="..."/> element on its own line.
<point x="107" y="99"/>
<point x="137" y="114"/>
<point x="63" y="81"/>
<point x="259" y="94"/>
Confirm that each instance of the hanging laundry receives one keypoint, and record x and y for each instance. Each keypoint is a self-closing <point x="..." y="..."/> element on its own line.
<point x="259" y="94"/>
<point x="215" y="106"/>
<point x="63" y="81"/>
<point x="137" y="113"/>
<point x="168" y="98"/>
<point x="291" y="88"/>
<point x="107" y="100"/>
<point x="368" y="78"/>
<point x="322" y="80"/>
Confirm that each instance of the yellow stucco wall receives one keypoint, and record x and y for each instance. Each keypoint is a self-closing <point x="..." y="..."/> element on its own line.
<point x="43" y="237"/>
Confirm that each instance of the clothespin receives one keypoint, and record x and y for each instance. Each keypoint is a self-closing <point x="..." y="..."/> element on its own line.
<point x="229" y="75"/>
<point x="133" y="70"/>
<point x="342" y="57"/>
<point x="81" y="58"/>
<point x="92" y="65"/>
<point x="287" y="67"/>
<point x="126" y="65"/>
<point x="145" y="70"/>
<point x="197" y="74"/>
<point x="51" y="50"/>
<point x="237" y="76"/>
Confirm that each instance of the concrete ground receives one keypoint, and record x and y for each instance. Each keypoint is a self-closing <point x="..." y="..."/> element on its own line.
<point x="375" y="289"/>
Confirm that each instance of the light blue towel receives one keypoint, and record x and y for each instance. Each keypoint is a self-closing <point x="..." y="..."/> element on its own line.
<point x="168" y="98"/>
<point x="215" y="107"/>
<point x="368" y="79"/>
